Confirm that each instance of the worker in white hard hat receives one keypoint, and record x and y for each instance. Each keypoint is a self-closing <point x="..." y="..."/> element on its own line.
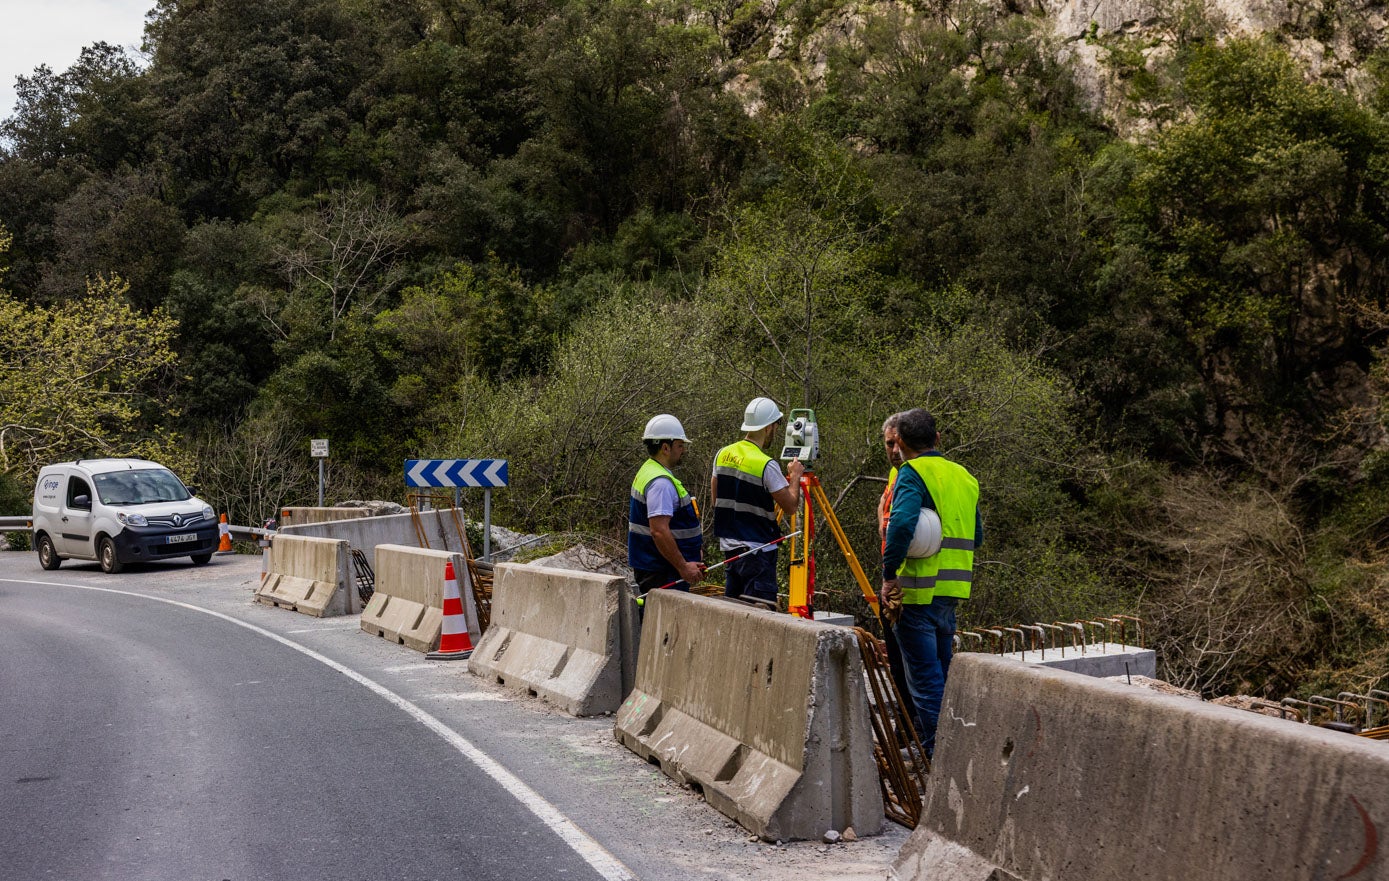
<point x="746" y="490"/>
<point x="664" y="542"/>
<point x="925" y="576"/>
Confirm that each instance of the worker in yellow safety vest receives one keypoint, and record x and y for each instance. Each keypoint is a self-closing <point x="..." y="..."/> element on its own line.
<point x="920" y="594"/>
<point x="746" y="490"/>
<point x="664" y="541"/>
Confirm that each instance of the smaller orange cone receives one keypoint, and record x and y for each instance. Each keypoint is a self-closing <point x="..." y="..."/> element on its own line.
<point x="224" y="547"/>
<point x="454" y="642"/>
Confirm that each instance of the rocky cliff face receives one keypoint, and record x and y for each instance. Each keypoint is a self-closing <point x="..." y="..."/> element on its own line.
<point x="1332" y="38"/>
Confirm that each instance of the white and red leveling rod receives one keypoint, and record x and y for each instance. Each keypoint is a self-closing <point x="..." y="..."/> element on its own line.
<point x="728" y="560"/>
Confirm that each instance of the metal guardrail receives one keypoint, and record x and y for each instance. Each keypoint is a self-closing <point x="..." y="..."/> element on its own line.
<point x="16" y="524"/>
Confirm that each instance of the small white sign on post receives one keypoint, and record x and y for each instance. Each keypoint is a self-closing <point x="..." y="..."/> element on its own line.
<point x="318" y="448"/>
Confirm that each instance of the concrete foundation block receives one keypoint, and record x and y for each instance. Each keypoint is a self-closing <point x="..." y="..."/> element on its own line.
<point x="556" y="634"/>
<point x="307" y="575"/>
<point x="1044" y="774"/>
<point x="765" y="713"/>
<point x="1102" y="660"/>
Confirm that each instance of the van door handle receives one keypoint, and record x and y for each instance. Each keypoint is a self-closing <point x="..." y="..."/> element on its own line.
<point x="65" y="518"/>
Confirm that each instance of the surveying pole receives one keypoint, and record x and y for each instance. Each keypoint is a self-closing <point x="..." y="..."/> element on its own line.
<point x="803" y="444"/>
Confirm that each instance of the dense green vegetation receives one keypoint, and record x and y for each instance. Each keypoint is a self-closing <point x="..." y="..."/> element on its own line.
<point x="519" y="229"/>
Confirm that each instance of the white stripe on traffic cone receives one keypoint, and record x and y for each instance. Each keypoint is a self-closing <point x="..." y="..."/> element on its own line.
<point x="454" y="643"/>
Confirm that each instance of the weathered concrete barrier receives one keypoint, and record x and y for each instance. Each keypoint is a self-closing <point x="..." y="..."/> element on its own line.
<point x="556" y="633"/>
<point x="308" y="575"/>
<point x="1043" y="774"/>
<point x="765" y="713"/>
<point x="407" y="607"/>
<point x="365" y="533"/>
<point x="298" y="516"/>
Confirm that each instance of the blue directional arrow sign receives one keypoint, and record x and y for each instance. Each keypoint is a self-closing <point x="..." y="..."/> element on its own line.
<point x="485" y="473"/>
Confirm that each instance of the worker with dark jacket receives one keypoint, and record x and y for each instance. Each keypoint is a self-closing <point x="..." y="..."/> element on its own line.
<point x="664" y="542"/>
<point x="746" y="490"/>
<point x="920" y="593"/>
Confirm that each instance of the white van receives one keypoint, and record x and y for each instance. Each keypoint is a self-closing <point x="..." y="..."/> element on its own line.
<point x="118" y="511"/>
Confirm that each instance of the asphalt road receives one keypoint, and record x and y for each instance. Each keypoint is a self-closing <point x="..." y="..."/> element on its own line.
<point x="160" y="725"/>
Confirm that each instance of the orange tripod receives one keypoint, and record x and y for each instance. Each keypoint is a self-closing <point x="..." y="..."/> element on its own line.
<point x="801" y="602"/>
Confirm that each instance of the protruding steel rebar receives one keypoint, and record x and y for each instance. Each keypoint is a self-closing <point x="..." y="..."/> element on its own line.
<point x="1368" y="708"/>
<point x="998" y="638"/>
<point x="1078" y="628"/>
<point x="1336" y="707"/>
<point x="1058" y="637"/>
<point x="1283" y="711"/>
<point x="1311" y="708"/>
<point x="1104" y="632"/>
<point x="1041" y="636"/>
<point x="1022" y="639"/>
<point x="1138" y="628"/>
<point x="970" y="634"/>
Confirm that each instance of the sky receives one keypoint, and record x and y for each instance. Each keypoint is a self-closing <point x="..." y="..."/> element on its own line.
<point x="53" y="32"/>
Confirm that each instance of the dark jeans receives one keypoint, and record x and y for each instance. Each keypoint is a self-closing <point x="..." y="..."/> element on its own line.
<point x="924" y="634"/>
<point x="753" y="577"/>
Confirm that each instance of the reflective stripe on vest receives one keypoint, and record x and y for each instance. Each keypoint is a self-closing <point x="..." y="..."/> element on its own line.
<point x="744" y="511"/>
<point x="642" y="552"/>
<point x="950" y="571"/>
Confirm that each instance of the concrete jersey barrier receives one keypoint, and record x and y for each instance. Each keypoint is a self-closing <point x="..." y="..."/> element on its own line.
<point x="407" y="605"/>
<point x="308" y="575"/>
<point x="302" y="515"/>
<point x="765" y="713"/>
<point x="365" y="533"/>
<point x="556" y="633"/>
<point x="1043" y="774"/>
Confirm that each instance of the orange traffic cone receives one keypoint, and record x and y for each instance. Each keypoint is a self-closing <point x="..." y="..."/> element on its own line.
<point x="224" y="546"/>
<point x="454" y="642"/>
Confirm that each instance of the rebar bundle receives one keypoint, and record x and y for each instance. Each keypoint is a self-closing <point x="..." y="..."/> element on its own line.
<point x="902" y="762"/>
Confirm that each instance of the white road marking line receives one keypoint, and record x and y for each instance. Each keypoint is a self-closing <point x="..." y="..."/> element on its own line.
<point x="593" y="853"/>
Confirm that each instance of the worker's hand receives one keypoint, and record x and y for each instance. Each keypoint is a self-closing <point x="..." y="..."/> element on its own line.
<point x="890" y="601"/>
<point x="794" y="472"/>
<point x="692" y="573"/>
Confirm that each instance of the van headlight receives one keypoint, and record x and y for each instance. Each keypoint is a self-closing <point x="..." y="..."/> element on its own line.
<point x="207" y="513"/>
<point x="132" y="519"/>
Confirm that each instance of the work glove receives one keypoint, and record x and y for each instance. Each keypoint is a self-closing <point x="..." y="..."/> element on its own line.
<point x="890" y="602"/>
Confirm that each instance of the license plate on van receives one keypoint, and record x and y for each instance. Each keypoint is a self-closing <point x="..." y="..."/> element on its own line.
<point x="177" y="539"/>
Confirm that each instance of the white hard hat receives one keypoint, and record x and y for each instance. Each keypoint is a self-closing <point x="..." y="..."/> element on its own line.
<point x="926" y="541"/>
<point x="664" y="427"/>
<point x="760" y="413"/>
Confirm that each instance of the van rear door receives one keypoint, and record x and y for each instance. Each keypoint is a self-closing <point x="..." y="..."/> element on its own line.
<point x="74" y="538"/>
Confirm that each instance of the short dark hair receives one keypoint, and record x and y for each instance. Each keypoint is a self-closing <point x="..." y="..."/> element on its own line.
<point x="917" y="429"/>
<point x="654" y="446"/>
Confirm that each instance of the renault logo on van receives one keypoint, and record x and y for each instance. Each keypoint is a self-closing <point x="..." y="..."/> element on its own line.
<point x="178" y="519"/>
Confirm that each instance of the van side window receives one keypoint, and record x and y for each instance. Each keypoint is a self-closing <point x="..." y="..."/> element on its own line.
<point x="78" y="487"/>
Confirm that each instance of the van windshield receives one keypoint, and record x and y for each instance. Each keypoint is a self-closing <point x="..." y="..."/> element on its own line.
<point x="143" y="487"/>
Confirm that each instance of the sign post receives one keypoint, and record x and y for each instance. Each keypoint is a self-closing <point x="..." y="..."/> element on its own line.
<point x="318" y="448"/>
<point x="459" y="473"/>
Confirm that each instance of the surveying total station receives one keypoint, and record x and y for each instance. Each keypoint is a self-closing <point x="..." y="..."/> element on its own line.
<point x="803" y="445"/>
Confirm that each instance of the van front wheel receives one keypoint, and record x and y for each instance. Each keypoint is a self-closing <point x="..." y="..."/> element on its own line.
<point x="200" y="559"/>
<point x="48" y="555"/>
<point x="109" y="562"/>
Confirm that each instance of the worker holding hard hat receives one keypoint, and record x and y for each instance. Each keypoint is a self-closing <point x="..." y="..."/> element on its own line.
<point x="928" y="561"/>
<point x="746" y="489"/>
<point x="664" y="542"/>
